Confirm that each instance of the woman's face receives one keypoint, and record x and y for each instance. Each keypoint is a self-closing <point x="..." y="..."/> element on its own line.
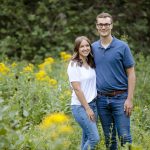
<point x="84" y="49"/>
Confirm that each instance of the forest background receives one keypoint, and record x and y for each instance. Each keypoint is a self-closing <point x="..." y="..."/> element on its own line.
<point x="36" y="29"/>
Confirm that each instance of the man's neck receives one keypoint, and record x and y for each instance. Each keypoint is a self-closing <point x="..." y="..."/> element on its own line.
<point x="106" y="40"/>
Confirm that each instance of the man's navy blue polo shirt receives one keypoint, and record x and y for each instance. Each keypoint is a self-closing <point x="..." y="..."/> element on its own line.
<point x="111" y="64"/>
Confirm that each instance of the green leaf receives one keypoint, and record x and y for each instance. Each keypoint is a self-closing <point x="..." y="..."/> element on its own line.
<point x="25" y="113"/>
<point x="3" y="131"/>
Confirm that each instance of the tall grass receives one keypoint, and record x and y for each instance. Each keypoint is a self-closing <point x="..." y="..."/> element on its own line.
<point x="27" y="96"/>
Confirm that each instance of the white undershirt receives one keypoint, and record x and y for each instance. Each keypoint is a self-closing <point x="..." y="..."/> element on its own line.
<point x="87" y="79"/>
<point x="105" y="46"/>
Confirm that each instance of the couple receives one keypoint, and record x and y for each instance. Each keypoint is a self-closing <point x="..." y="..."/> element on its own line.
<point x="102" y="86"/>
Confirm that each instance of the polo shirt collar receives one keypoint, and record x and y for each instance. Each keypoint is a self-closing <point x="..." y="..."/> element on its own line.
<point x="111" y="45"/>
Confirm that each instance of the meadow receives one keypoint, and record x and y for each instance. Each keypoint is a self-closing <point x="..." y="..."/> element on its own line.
<point x="35" y="106"/>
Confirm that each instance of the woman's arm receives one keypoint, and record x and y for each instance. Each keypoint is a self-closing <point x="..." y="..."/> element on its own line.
<point x="79" y="93"/>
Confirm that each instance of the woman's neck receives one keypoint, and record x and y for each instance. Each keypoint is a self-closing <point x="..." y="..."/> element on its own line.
<point x="84" y="59"/>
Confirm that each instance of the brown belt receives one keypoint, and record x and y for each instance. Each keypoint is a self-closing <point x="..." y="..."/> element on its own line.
<point x="111" y="94"/>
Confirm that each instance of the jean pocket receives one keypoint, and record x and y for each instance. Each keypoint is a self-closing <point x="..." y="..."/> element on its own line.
<point x="77" y="109"/>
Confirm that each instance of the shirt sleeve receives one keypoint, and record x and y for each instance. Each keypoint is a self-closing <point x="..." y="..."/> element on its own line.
<point x="73" y="72"/>
<point x="128" y="58"/>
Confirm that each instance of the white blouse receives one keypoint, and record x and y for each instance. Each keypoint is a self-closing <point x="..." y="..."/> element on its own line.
<point x="87" y="79"/>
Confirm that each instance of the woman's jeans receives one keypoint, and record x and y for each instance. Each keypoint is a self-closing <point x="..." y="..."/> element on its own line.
<point x="113" y="118"/>
<point x="90" y="135"/>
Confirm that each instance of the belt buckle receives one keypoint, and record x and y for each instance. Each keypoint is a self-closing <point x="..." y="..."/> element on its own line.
<point x="114" y="93"/>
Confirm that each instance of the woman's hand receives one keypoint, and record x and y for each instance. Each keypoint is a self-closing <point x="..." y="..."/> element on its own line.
<point x="77" y="88"/>
<point x="90" y="114"/>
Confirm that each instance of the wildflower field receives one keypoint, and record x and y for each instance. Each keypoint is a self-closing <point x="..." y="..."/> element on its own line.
<point x="35" y="106"/>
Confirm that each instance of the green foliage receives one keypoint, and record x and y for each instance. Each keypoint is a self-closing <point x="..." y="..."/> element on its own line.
<point x="143" y="81"/>
<point x="24" y="101"/>
<point x="36" y="29"/>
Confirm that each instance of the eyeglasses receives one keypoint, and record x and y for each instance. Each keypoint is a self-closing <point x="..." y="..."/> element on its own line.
<point x="106" y="25"/>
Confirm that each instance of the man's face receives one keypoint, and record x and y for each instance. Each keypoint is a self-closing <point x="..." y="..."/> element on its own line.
<point x="104" y="26"/>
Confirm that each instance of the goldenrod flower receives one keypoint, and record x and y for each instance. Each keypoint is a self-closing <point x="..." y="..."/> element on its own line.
<point x="41" y="66"/>
<point x="3" y="68"/>
<point x="28" y="68"/>
<point x="45" y="66"/>
<point x="65" y="94"/>
<point x="65" y="56"/>
<point x="49" y="60"/>
<point x="65" y="129"/>
<point x="62" y="54"/>
<point x="13" y="64"/>
<point x="53" y="119"/>
<point x="52" y="82"/>
<point x="41" y="75"/>
<point x="59" y="117"/>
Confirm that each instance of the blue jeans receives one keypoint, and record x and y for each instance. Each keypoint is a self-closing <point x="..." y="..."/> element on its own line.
<point x="114" y="119"/>
<point x="90" y="135"/>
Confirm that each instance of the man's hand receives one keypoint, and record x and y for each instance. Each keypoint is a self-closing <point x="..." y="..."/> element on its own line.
<point x="128" y="107"/>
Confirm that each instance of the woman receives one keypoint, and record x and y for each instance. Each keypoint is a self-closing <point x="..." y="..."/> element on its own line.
<point x="83" y="82"/>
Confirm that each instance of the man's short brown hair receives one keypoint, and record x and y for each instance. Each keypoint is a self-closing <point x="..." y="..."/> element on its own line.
<point x="104" y="15"/>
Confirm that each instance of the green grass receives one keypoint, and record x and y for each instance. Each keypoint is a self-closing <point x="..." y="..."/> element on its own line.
<point x="24" y="101"/>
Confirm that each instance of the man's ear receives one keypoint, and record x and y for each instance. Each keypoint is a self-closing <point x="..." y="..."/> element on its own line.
<point x="111" y="26"/>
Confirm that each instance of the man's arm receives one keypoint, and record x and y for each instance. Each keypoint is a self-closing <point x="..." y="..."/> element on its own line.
<point x="128" y="105"/>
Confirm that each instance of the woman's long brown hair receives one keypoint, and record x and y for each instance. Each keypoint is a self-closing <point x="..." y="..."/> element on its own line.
<point x="76" y="58"/>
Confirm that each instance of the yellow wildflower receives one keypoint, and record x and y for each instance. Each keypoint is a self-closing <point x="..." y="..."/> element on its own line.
<point x="41" y="66"/>
<point x="65" y="94"/>
<point x="59" y="118"/>
<point x="45" y="66"/>
<point x="41" y="75"/>
<point x="62" y="54"/>
<point x="65" y="129"/>
<point x="28" y="68"/>
<point x="3" y="68"/>
<point x="13" y="64"/>
<point x="55" y="118"/>
<point x="52" y="82"/>
<point x="65" y="56"/>
<point x="49" y="60"/>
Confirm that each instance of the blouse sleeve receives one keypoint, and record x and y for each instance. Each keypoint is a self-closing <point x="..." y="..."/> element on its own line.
<point x="73" y="72"/>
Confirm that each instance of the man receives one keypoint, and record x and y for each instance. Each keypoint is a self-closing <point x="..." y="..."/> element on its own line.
<point x="115" y="83"/>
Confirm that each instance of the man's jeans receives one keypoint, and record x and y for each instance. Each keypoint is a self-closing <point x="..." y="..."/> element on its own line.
<point x="90" y="135"/>
<point x="113" y="118"/>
